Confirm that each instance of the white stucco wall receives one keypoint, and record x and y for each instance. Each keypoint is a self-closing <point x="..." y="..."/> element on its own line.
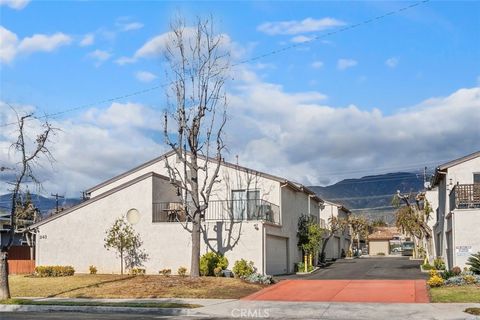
<point x="168" y="244"/>
<point x="77" y="238"/>
<point x="463" y="224"/>
<point x="466" y="226"/>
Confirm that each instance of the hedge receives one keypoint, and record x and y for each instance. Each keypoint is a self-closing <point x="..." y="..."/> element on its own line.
<point x="54" y="271"/>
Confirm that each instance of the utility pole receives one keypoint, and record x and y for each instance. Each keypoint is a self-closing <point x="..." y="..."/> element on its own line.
<point x="56" y="200"/>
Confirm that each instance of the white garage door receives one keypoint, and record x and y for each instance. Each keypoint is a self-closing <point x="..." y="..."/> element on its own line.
<point x="336" y="248"/>
<point x="276" y="255"/>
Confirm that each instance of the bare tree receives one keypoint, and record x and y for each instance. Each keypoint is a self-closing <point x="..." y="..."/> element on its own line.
<point x="412" y="218"/>
<point x="334" y="225"/>
<point x="198" y="66"/>
<point x="29" y="154"/>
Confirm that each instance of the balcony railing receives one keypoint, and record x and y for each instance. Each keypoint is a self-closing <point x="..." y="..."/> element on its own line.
<point x="465" y="196"/>
<point x="218" y="210"/>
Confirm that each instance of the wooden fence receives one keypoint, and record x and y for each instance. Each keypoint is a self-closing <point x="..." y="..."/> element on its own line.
<point x="21" y="266"/>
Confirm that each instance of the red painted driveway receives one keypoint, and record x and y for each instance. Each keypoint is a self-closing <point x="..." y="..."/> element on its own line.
<point x="387" y="291"/>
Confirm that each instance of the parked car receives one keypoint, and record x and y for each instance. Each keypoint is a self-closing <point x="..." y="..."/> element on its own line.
<point x="407" y="248"/>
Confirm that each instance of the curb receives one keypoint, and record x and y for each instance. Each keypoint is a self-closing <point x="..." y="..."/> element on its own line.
<point x="97" y="309"/>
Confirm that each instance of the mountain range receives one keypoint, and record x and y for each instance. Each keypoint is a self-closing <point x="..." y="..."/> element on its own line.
<point x="44" y="204"/>
<point x="371" y="195"/>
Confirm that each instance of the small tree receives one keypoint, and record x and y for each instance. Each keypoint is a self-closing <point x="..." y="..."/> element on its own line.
<point x="412" y="219"/>
<point x="358" y="228"/>
<point x="122" y="238"/>
<point x="309" y="238"/>
<point x="335" y="224"/>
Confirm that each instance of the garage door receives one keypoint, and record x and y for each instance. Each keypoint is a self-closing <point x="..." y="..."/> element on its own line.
<point x="276" y="255"/>
<point x="336" y="247"/>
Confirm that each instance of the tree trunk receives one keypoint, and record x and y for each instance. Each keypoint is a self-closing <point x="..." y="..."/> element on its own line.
<point x="4" y="287"/>
<point x="121" y="262"/>
<point x="324" y="246"/>
<point x="195" y="263"/>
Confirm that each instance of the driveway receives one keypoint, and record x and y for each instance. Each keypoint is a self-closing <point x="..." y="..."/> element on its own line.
<point x="391" y="268"/>
<point x="381" y="280"/>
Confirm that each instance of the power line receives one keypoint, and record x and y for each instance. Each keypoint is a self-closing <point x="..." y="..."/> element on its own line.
<point x="258" y="57"/>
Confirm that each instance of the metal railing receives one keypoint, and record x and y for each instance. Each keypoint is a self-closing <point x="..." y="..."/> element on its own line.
<point x="465" y="196"/>
<point x="218" y="210"/>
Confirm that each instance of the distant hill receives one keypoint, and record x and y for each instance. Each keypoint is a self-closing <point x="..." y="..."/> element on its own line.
<point x="44" y="204"/>
<point x="371" y="192"/>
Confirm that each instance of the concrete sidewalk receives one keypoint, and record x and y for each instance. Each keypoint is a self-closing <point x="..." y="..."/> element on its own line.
<point x="219" y="308"/>
<point x="337" y="310"/>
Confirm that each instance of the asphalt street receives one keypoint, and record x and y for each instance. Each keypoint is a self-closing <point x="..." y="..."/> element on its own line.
<point x="366" y="268"/>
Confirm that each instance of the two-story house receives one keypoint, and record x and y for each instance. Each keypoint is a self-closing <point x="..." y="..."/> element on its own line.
<point x="250" y="215"/>
<point x="457" y="212"/>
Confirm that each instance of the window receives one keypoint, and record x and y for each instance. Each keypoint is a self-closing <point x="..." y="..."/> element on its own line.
<point x="476" y="178"/>
<point x="245" y="203"/>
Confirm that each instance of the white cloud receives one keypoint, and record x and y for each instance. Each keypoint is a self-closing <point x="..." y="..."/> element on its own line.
<point x="87" y="40"/>
<point x="156" y="46"/>
<point x="126" y="24"/>
<point x="296" y="27"/>
<point x="391" y="62"/>
<point x="343" y="64"/>
<point x="42" y="42"/>
<point x="91" y="148"/>
<point x="317" y="64"/>
<point x="145" y="76"/>
<point x="100" y="56"/>
<point x="132" y="26"/>
<point x="10" y="46"/>
<point x="300" y="39"/>
<point x="15" y="4"/>
<point x="314" y="143"/>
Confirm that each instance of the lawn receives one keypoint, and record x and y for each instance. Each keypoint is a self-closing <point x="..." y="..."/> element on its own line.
<point x="467" y="293"/>
<point x="116" y="286"/>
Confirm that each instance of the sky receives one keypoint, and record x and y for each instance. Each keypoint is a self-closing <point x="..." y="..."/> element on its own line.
<point x="319" y="91"/>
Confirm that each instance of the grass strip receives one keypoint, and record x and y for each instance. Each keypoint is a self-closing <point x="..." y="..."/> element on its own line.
<point x="99" y="304"/>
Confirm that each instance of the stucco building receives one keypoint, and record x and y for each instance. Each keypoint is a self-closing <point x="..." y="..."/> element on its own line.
<point x="457" y="211"/>
<point x="340" y="242"/>
<point x="251" y="215"/>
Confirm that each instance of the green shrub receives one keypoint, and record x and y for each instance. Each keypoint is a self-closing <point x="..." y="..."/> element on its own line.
<point x="165" y="272"/>
<point x="474" y="263"/>
<point x="439" y="264"/>
<point x="54" y="271"/>
<point x="93" y="270"/>
<point x="211" y="260"/>
<point x="380" y="253"/>
<point x="300" y="267"/>
<point x="137" y="271"/>
<point x="447" y="274"/>
<point x="182" y="271"/>
<point x="242" y="268"/>
<point x="427" y="266"/>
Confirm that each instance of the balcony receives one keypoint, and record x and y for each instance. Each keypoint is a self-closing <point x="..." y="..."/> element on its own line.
<point x="465" y="196"/>
<point x="219" y="210"/>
